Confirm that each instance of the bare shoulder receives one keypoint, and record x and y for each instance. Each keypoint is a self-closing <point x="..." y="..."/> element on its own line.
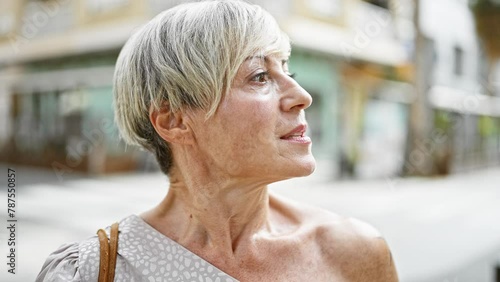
<point x="347" y="245"/>
<point x="355" y="248"/>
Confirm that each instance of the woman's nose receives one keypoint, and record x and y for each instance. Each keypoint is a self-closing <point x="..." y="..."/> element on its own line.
<point x="294" y="97"/>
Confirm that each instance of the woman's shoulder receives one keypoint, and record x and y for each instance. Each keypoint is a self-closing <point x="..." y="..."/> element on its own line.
<point x="78" y="261"/>
<point x="61" y="265"/>
<point x="345" y="242"/>
<point x="357" y="248"/>
<point x="144" y="254"/>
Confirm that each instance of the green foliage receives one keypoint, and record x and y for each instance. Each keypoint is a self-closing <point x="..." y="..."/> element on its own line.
<point x="487" y="126"/>
<point x="442" y="120"/>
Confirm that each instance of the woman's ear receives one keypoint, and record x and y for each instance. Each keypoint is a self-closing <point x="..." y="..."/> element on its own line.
<point x="169" y="125"/>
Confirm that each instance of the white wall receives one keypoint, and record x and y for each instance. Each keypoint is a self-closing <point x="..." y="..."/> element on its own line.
<point x="450" y="23"/>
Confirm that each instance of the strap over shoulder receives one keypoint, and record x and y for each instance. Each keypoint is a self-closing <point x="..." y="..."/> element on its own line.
<point x="108" y="253"/>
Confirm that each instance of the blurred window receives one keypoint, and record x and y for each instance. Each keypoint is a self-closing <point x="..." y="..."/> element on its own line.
<point x="8" y="16"/>
<point x="328" y="8"/>
<point x="102" y="6"/>
<point x="6" y="23"/>
<point x="381" y="3"/>
<point x="458" y="57"/>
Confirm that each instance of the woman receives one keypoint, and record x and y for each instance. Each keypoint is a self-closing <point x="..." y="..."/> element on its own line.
<point x="205" y="86"/>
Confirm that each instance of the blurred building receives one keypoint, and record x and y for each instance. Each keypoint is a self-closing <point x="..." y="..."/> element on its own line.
<point x="56" y="67"/>
<point x="458" y="93"/>
<point x="354" y="57"/>
<point x="56" y="61"/>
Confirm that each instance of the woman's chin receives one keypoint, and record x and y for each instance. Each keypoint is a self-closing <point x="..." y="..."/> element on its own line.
<point x="309" y="166"/>
<point x="303" y="167"/>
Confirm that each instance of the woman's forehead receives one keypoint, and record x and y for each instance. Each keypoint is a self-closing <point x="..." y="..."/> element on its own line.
<point x="277" y="44"/>
<point x="282" y="56"/>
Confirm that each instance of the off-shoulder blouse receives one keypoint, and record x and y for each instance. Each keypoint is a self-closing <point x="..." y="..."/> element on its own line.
<point x="144" y="254"/>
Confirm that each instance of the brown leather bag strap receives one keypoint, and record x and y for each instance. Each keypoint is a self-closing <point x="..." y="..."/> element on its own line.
<point x="113" y="249"/>
<point x="108" y="253"/>
<point x="104" y="249"/>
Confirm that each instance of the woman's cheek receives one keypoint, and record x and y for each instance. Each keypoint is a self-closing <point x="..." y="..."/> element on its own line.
<point x="262" y="125"/>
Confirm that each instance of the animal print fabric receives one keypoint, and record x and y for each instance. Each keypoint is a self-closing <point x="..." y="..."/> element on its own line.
<point x="144" y="254"/>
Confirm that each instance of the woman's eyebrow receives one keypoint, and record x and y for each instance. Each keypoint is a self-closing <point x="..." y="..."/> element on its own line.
<point x="261" y="58"/>
<point x="266" y="59"/>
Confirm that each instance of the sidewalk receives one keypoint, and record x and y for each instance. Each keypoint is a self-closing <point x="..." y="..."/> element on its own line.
<point x="438" y="229"/>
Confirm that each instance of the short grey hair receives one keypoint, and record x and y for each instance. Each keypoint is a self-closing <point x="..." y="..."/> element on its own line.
<point x="187" y="56"/>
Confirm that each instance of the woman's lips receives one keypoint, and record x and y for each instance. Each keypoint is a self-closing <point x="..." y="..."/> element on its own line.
<point x="297" y="135"/>
<point x="298" y="139"/>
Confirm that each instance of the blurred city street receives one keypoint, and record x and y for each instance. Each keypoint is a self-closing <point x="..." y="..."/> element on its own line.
<point x="405" y="123"/>
<point x="440" y="229"/>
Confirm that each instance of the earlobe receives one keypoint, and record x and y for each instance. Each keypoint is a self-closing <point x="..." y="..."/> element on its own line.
<point x="170" y="125"/>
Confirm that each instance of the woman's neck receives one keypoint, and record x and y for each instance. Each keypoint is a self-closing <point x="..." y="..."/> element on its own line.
<point x="211" y="214"/>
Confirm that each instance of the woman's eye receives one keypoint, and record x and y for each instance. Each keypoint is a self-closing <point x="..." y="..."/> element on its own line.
<point x="292" y="75"/>
<point x="262" y="77"/>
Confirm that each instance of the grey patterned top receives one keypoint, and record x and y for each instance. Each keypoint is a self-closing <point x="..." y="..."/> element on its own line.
<point x="144" y="254"/>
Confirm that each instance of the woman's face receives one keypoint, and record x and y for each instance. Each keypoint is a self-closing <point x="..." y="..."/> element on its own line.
<point x="258" y="130"/>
